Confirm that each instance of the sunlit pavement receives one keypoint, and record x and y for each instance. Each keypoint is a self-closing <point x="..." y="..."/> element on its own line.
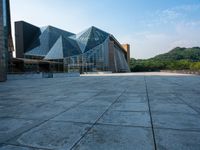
<point x="141" y="111"/>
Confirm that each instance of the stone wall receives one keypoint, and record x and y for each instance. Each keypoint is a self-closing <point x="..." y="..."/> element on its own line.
<point x="41" y="75"/>
<point x="182" y="71"/>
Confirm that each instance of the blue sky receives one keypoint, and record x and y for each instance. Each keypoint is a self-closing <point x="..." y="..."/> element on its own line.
<point x="151" y="27"/>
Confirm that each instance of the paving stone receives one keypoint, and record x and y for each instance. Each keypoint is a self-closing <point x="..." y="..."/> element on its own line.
<point x="10" y="127"/>
<point x="130" y="106"/>
<point x="105" y="99"/>
<point x="7" y="101"/>
<point x="126" y="118"/>
<point x="36" y="110"/>
<point x="134" y="90"/>
<point x="53" y="135"/>
<point x="177" y="140"/>
<point x="174" y="108"/>
<point x="82" y="95"/>
<point x="176" y="121"/>
<point x="85" y="99"/>
<point x="103" y="137"/>
<point x="98" y="102"/>
<point x="164" y="98"/>
<point x="81" y="115"/>
<point x="10" y="147"/>
<point x="192" y="100"/>
<point x="133" y="98"/>
<point x="95" y="106"/>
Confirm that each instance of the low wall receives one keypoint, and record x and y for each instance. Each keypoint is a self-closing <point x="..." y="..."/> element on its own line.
<point x="40" y="75"/>
<point x="102" y="72"/>
<point x="182" y="71"/>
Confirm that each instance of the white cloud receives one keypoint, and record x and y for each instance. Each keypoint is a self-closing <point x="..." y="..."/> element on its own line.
<point x="172" y="15"/>
<point x="147" y="44"/>
<point x="169" y="14"/>
<point x="165" y="30"/>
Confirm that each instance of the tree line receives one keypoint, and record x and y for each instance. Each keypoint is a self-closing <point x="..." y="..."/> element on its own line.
<point x="157" y="65"/>
<point x="176" y="59"/>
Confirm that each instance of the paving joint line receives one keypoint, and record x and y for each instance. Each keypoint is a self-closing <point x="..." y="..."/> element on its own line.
<point x="97" y="121"/>
<point x="115" y="125"/>
<point x="183" y="101"/>
<point x="24" y="146"/>
<point x="151" y="119"/>
<point x="187" y="130"/>
<point x="44" y="121"/>
<point x="198" y="112"/>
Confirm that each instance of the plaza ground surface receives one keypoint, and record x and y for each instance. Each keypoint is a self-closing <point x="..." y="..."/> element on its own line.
<point x="143" y="111"/>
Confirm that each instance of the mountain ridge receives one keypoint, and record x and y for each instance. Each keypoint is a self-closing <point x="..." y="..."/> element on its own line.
<point x="179" y="58"/>
<point x="180" y="53"/>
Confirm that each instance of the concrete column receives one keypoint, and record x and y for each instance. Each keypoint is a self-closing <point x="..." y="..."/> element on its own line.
<point x="3" y="66"/>
<point x="6" y="45"/>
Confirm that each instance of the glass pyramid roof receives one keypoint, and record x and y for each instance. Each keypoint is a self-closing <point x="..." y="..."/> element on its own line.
<point x="90" y="38"/>
<point x="45" y="41"/>
<point x="54" y="43"/>
<point x="96" y="38"/>
<point x="63" y="48"/>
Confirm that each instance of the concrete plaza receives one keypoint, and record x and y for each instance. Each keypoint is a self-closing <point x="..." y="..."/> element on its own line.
<point x="144" y="111"/>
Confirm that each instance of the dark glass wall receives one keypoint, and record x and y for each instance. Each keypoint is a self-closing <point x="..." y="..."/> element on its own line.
<point x="5" y="38"/>
<point x="25" y="34"/>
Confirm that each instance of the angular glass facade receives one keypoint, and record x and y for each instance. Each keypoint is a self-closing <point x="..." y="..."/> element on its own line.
<point x="88" y="51"/>
<point x="95" y="59"/>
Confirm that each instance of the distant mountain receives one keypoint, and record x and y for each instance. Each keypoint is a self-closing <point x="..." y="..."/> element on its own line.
<point x="178" y="53"/>
<point x="176" y="59"/>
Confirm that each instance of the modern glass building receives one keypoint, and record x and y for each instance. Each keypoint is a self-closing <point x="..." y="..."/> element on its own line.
<point x="92" y="50"/>
<point x="6" y="46"/>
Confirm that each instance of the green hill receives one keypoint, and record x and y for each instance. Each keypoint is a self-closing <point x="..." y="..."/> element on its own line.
<point x="176" y="59"/>
<point x="192" y="54"/>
